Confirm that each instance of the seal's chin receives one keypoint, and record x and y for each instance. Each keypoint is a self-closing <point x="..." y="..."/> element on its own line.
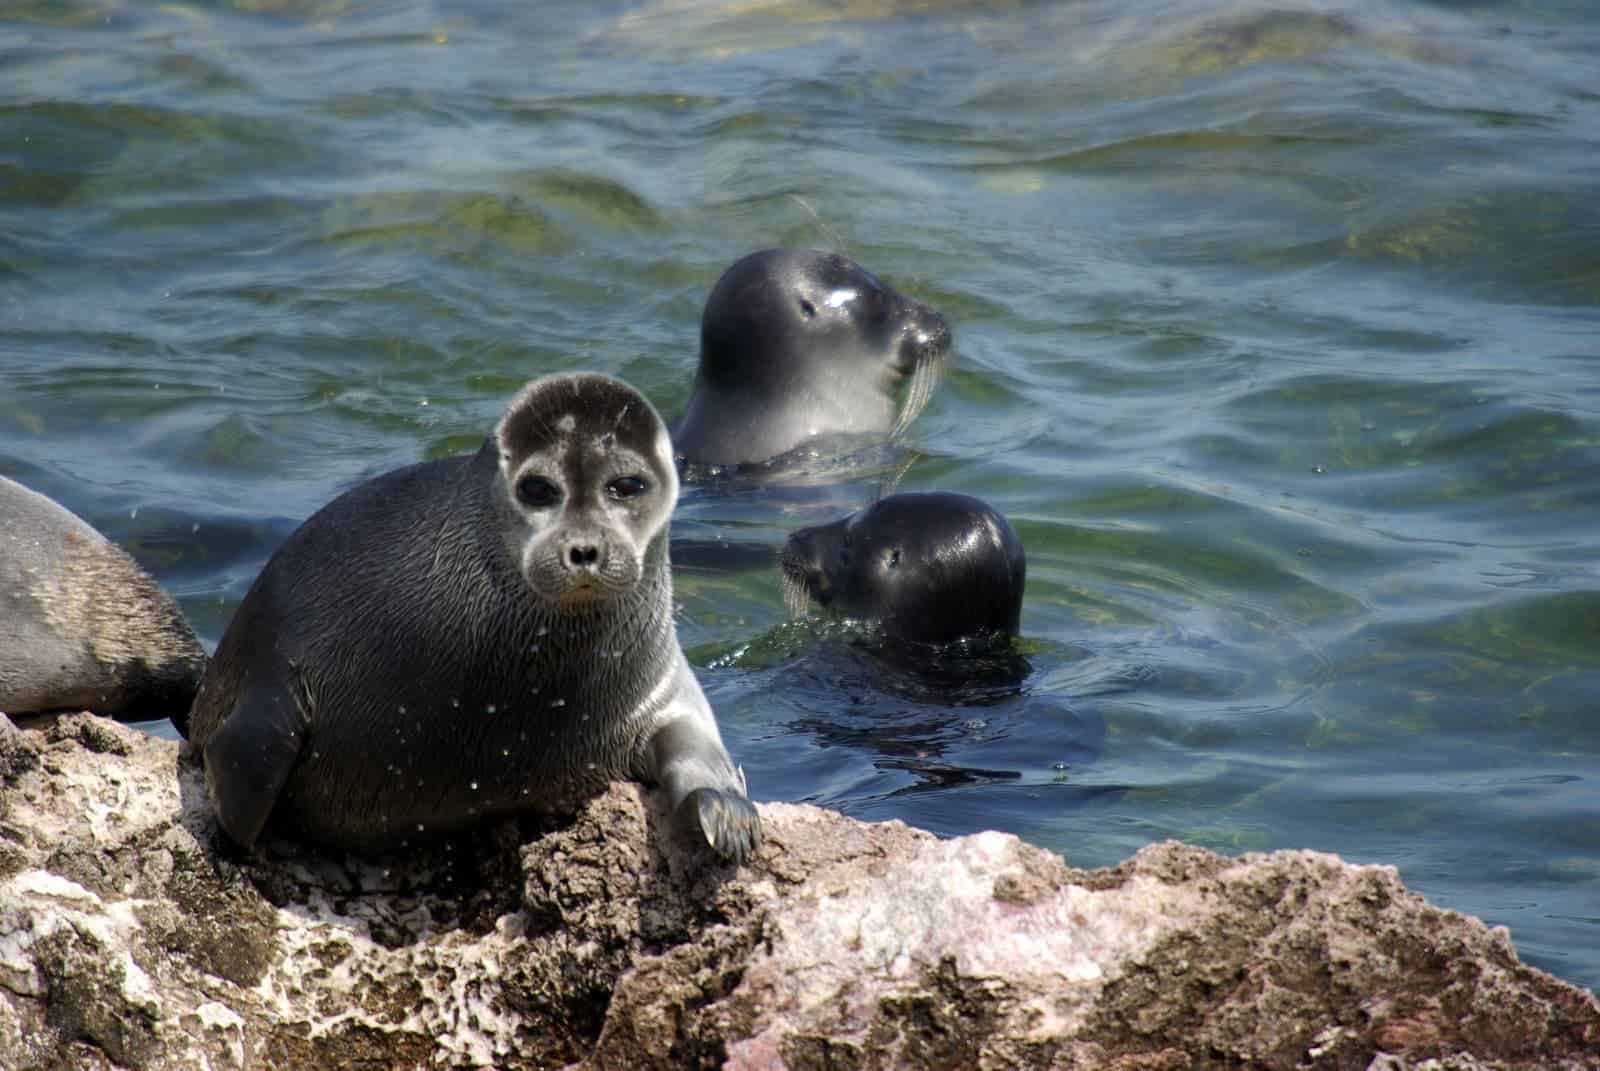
<point x="583" y="596"/>
<point x="579" y="593"/>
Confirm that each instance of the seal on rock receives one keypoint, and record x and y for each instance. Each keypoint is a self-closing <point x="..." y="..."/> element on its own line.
<point x="930" y="567"/>
<point x="82" y="627"/>
<point x="797" y="345"/>
<point x="470" y="638"/>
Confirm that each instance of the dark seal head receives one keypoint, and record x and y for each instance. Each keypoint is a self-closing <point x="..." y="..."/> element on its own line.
<point x="929" y="567"/>
<point x="472" y="638"/>
<point x="797" y="345"/>
<point x="82" y="627"/>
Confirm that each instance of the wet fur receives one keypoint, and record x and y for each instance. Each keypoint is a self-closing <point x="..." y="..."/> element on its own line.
<point x="393" y="662"/>
<point x="958" y="573"/>
<point x="82" y="627"/>
<point x="785" y="359"/>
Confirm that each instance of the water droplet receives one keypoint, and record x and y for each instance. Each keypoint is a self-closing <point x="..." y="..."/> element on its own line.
<point x="455" y="702"/>
<point x="542" y="631"/>
<point x="558" y="702"/>
<point x="490" y="709"/>
<point x="973" y="725"/>
<point x="506" y="752"/>
<point x="402" y="708"/>
<point x="1319" y="470"/>
<point x="421" y="828"/>
<point x="1058" y="766"/>
<point x="473" y="786"/>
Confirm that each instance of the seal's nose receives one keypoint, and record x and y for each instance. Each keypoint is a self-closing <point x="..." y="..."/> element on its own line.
<point x="583" y="555"/>
<point x="930" y="331"/>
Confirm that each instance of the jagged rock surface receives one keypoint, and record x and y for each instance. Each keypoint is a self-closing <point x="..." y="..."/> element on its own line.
<point x="132" y="936"/>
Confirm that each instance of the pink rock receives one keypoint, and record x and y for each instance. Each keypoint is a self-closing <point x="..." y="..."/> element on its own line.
<point x="132" y="937"/>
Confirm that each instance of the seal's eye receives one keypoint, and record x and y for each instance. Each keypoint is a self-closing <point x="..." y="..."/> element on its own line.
<point x="627" y="486"/>
<point x="807" y="309"/>
<point x="537" y="492"/>
<point x="892" y="559"/>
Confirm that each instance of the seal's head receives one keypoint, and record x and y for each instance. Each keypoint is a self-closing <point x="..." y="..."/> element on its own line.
<point x="586" y="464"/>
<point x="796" y="344"/>
<point x="930" y="567"/>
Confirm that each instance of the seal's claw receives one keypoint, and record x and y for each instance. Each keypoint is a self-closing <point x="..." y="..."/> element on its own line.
<point x="729" y="823"/>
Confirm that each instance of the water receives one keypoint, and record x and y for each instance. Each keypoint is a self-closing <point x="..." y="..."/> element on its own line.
<point x="1276" y="339"/>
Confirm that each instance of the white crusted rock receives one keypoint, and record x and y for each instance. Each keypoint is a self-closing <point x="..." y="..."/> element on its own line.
<point x="133" y="936"/>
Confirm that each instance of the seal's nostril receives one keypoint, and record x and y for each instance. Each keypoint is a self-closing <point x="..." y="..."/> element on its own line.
<point x="583" y="556"/>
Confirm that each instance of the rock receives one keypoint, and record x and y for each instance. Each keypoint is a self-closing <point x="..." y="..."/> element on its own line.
<point x="133" y="936"/>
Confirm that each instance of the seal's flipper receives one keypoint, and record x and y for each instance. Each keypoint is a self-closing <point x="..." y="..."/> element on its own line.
<point x="706" y="791"/>
<point x="249" y="759"/>
<point x="729" y="823"/>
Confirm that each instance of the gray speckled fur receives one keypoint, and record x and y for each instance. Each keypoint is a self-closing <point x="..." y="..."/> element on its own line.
<point x="393" y="672"/>
<point x="82" y="627"/>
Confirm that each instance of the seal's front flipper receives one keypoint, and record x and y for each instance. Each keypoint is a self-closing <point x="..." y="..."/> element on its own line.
<point x="730" y="824"/>
<point x="706" y="790"/>
<point x="249" y="759"/>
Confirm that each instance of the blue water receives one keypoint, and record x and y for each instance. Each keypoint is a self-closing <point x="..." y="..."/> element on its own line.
<point x="1277" y="329"/>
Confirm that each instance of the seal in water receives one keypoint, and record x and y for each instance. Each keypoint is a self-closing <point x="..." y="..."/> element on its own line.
<point x="471" y="638"/>
<point x="82" y="627"/>
<point x="801" y="344"/>
<point x="929" y="567"/>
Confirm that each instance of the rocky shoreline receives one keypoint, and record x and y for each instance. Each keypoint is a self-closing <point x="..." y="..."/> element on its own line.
<point x="133" y="936"/>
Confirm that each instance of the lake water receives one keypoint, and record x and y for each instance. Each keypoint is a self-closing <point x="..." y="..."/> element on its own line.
<point x="1277" y="329"/>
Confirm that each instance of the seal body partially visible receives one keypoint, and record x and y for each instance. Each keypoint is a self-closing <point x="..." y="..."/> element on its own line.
<point x="472" y="637"/>
<point x="801" y="345"/>
<point x="929" y="567"/>
<point x="82" y="627"/>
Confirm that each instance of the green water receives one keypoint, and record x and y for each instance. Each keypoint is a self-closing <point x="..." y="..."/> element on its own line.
<point x="1277" y="337"/>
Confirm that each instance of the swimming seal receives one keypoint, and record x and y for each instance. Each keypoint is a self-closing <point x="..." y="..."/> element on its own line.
<point x="930" y="567"/>
<point x="797" y="345"/>
<point x="82" y="627"/>
<point x="470" y="638"/>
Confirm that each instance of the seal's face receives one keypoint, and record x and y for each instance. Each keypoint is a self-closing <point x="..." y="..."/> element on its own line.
<point x="585" y="461"/>
<point x="800" y="343"/>
<point x="929" y="567"/>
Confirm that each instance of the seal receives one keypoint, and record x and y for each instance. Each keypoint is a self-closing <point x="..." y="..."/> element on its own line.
<point x="470" y="638"/>
<point x="929" y="567"/>
<point x="799" y="345"/>
<point x="82" y="627"/>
